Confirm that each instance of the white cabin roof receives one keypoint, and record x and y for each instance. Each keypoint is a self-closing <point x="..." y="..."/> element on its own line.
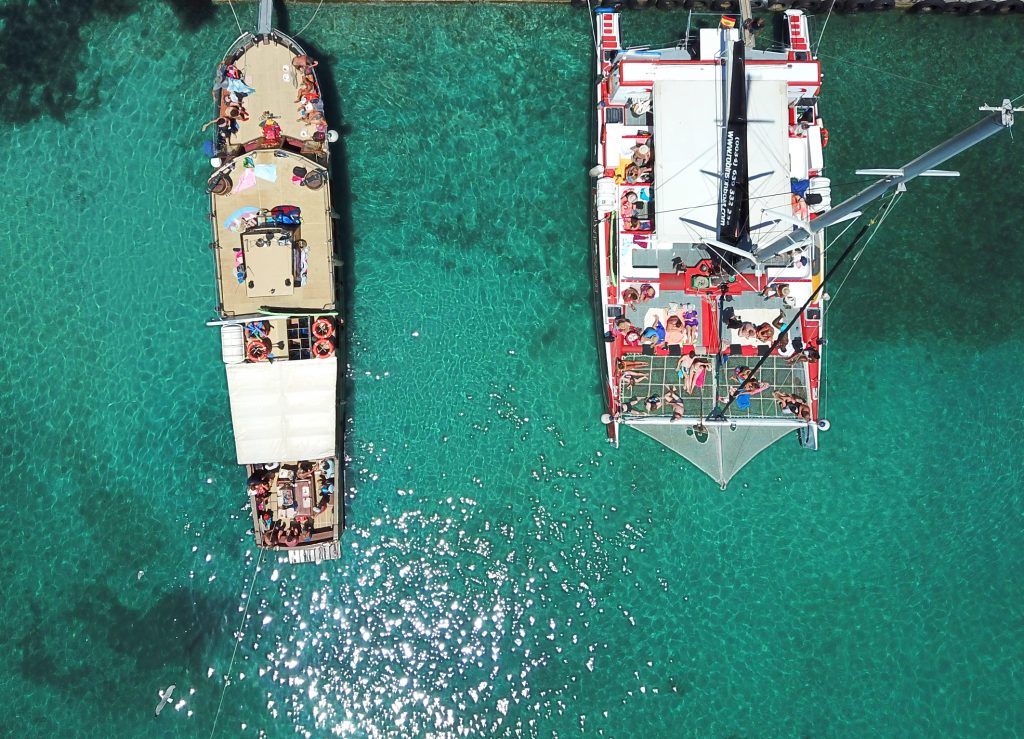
<point x="284" y="411"/>
<point x="688" y="121"/>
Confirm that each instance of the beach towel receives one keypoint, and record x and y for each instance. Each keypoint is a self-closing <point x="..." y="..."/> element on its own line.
<point x="236" y="85"/>
<point x="246" y="181"/>
<point x="266" y="172"/>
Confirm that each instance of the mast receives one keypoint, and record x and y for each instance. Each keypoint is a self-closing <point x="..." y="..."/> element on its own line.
<point x="1001" y="118"/>
<point x="734" y="208"/>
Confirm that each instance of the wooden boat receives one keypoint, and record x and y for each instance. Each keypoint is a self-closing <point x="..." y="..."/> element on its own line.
<point x="278" y="311"/>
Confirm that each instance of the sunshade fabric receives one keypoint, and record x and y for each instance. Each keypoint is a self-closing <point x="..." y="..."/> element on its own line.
<point x="284" y="411"/>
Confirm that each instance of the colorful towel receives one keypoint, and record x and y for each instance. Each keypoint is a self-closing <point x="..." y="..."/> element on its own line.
<point x="266" y="172"/>
<point x="246" y="181"/>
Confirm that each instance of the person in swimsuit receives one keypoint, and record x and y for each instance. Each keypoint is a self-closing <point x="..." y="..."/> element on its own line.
<point x="766" y="331"/>
<point x="806" y="355"/>
<point x="630" y="296"/>
<point x="626" y="365"/>
<point x="794" y="404"/>
<point x="693" y="369"/>
<point x="647" y="292"/>
<point x="672" y="397"/>
<point x="632" y="378"/>
<point x="674" y="333"/>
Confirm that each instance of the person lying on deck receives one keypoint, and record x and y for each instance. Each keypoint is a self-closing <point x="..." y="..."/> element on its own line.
<point x="673" y="399"/>
<point x="632" y="378"/>
<point x="747" y="330"/>
<point x="806" y="355"/>
<point x="691" y="371"/>
<point x="629" y="365"/>
<point x="794" y="404"/>
<point x="630" y="296"/>
<point x="745" y="392"/>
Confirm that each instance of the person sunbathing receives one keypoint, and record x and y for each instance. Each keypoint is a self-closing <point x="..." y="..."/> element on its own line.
<point x="674" y="332"/>
<point x="806" y="355"/>
<point x="794" y="404"/>
<point x="632" y="378"/>
<point x="626" y="365"/>
<point x="647" y="292"/>
<point x="673" y="399"/>
<point x="692" y="370"/>
<point x="766" y="331"/>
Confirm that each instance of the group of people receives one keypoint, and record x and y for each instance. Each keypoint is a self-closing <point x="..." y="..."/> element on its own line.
<point x="266" y="479"/>
<point x="230" y="92"/>
<point x="692" y="370"/>
<point x="634" y="211"/>
<point x="680" y="327"/>
<point x="311" y="103"/>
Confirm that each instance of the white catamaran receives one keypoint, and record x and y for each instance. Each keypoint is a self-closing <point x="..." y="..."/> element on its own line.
<point x="710" y="204"/>
<point x="274" y="250"/>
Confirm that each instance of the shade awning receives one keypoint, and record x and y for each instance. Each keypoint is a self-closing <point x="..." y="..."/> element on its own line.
<point x="284" y="411"/>
<point x="687" y="159"/>
<point x="688" y="119"/>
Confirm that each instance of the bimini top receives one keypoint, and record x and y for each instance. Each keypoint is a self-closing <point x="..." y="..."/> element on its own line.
<point x="284" y="410"/>
<point x="687" y="168"/>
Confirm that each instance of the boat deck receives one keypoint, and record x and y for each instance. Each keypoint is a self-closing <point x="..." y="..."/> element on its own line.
<point x="296" y="268"/>
<point x="668" y="291"/>
<point x="266" y="67"/>
<point x="295" y="504"/>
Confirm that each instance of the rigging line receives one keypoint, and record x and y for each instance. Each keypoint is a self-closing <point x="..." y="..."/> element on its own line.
<point x="725" y="261"/>
<point x="829" y="245"/>
<point x="593" y="32"/>
<point x="885" y="71"/>
<point x="885" y="214"/>
<point x="232" y="6"/>
<point x="823" y="27"/>
<point x="238" y="641"/>
<point x="719" y="413"/>
<point x="312" y="18"/>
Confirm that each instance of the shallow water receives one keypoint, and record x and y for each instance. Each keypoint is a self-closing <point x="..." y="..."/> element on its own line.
<point x="505" y="572"/>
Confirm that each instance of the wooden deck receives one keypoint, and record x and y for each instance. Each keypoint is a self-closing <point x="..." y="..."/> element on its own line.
<point x="316" y="230"/>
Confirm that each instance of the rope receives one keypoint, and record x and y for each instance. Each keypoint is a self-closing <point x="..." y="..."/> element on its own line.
<point x="886" y="71"/>
<point x="881" y="219"/>
<point x="238" y="641"/>
<point x="823" y="27"/>
<point x="232" y="6"/>
<point x="593" y="32"/>
<point x="311" y="19"/>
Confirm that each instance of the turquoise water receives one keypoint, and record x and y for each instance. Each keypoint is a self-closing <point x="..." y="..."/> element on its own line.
<point x="505" y="572"/>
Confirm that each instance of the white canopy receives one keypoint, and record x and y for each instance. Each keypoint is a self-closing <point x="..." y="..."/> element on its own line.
<point x="284" y="411"/>
<point x="688" y="158"/>
<point x="768" y="158"/>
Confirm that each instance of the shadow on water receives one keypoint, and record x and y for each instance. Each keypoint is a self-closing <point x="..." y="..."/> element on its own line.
<point x="35" y="36"/>
<point x="341" y="205"/>
<point x="172" y="633"/>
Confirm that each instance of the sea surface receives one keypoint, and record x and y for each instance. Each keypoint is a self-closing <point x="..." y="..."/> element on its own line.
<point x="505" y="572"/>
